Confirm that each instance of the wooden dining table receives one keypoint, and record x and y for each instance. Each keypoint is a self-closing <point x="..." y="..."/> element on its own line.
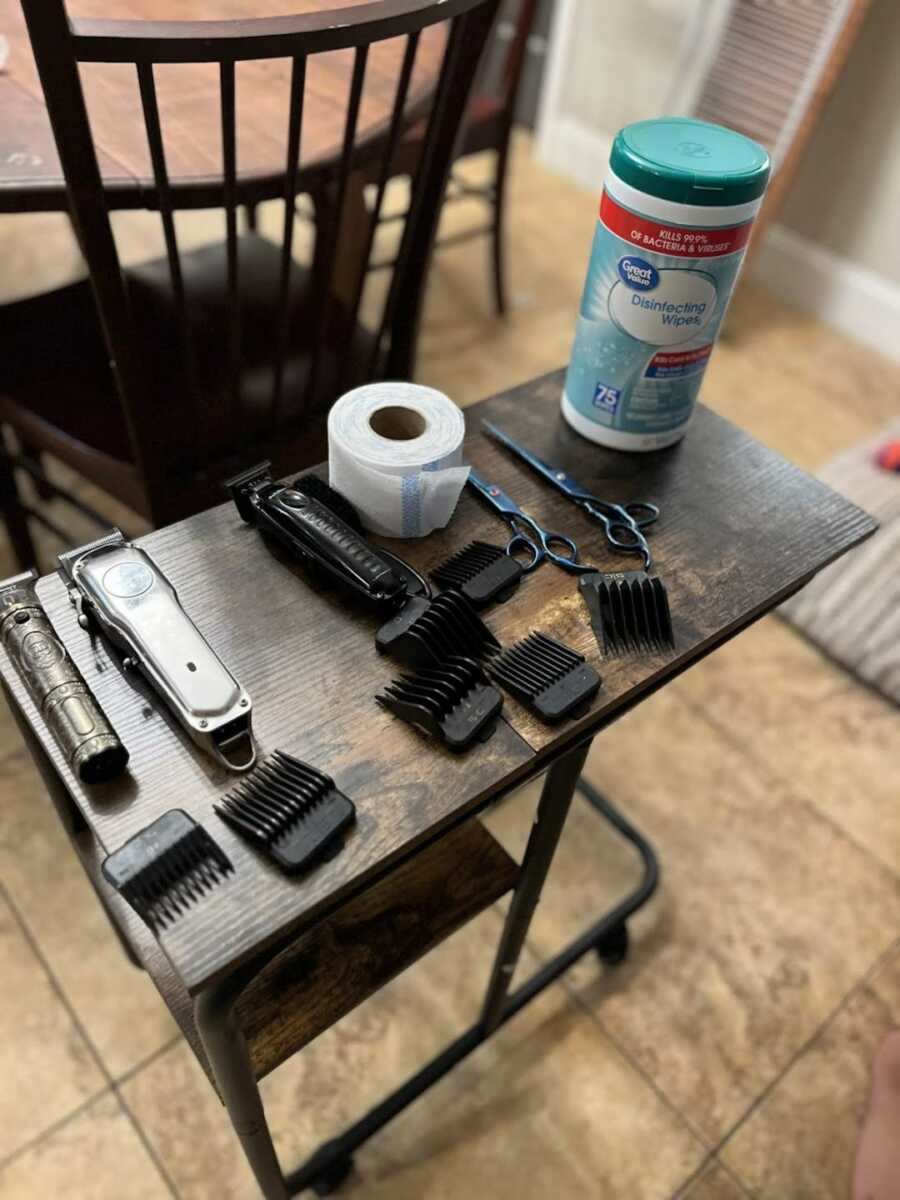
<point x="31" y="177"/>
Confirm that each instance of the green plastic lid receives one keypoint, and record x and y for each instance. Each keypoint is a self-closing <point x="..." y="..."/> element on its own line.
<point x="689" y="161"/>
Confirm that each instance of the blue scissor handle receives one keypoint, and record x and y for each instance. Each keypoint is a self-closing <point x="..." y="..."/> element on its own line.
<point x="636" y="513"/>
<point x="620" y="534"/>
<point x="543" y="543"/>
<point x="520" y="544"/>
<point x="641" y="512"/>
<point x="623" y="533"/>
<point x="628" y="540"/>
<point x="528" y="537"/>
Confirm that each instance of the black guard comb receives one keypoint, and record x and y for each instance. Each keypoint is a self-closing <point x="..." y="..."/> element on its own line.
<point x="426" y="633"/>
<point x="482" y="573"/>
<point x="166" y="868"/>
<point x="546" y="676"/>
<point x="629" y="612"/>
<point x="453" y="702"/>
<point x="288" y="809"/>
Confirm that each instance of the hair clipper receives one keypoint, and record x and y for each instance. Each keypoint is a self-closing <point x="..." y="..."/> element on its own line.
<point x="118" y="586"/>
<point x="69" y="708"/>
<point x="312" y="531"/>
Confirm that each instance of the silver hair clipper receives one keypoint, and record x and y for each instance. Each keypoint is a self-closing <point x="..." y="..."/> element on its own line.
<point x="118" y="585"/>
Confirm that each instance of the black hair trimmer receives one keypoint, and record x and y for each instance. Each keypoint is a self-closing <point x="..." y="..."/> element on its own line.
<point x="320" y="528"/>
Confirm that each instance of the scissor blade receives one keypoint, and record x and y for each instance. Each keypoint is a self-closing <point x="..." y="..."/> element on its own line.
<point x="553" y="475"/>
<point x="497" y="498"/>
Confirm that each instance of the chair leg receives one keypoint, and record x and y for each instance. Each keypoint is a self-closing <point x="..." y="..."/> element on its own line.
<point x="14" y="516"/>
<point x="497" y="234"/>
<point x="250" y="210"/>
<point x="43" y="491"/>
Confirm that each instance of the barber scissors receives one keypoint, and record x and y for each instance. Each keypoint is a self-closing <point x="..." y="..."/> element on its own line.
<point x="623" y="524"/>
<point x="528" y="537"/>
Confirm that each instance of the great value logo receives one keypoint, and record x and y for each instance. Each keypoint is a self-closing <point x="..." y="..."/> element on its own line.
<point x="638" y="274"/>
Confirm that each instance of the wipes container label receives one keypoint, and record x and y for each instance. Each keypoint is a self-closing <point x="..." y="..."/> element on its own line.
<point x="653" y="300"/>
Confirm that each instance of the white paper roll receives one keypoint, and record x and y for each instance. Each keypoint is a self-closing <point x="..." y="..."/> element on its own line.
<point x="395" y="452"/>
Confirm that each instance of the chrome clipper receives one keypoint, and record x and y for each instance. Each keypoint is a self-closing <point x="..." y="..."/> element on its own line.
<point x="118" y="586"/>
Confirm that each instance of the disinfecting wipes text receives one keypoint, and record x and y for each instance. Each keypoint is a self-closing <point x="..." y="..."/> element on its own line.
<point x="653" y="301"/>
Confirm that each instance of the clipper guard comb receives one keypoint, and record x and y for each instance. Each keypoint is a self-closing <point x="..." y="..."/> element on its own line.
<point x="482" y="572"/>
<point x="629" y="612"/>
<point x="453" y="702"/>
<point x="289" y="810"/>
<point x="546" y="676"/>
<point x="166" y="868"/>
<point x="426" y="633"/>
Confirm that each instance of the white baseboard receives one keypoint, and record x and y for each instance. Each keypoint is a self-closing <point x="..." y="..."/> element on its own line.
<point x="837" y="290"/>
<point x="575" y="150"/>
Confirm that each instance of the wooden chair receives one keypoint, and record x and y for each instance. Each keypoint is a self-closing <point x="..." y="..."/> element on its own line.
<point x="158" y="381"/>
<point x="488" y="125"/>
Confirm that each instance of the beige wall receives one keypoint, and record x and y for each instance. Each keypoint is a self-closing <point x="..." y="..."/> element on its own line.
<point x="846" y="194"/>
<point x="623" y="61"/>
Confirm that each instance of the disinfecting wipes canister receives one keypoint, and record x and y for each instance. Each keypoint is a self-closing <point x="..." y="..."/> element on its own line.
<point x="675" y="217"/>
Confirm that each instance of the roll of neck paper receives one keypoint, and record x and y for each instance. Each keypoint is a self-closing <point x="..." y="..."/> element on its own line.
<point x="395" y="451"/>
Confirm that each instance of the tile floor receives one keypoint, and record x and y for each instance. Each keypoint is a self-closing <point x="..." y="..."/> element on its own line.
<point x="728" y="1058"/>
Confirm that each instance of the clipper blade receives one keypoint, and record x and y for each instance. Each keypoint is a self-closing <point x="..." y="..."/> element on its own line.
<point x="629" y="612"/>
<point x="288" y="809"/>
<point x="546" y="676"/>
<point x="453" y="702"/>
<point x="426" y="633"/>
<point x="482" y="573"/>
<point x="166" y="868"/>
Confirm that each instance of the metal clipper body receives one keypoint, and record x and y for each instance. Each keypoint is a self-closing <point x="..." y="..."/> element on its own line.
<point x="118" y="585"/>
<point x="74" y="717"/>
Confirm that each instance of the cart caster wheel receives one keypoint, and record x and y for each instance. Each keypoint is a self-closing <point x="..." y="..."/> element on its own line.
<point x="333" y="1176"/>
<point x="612" y="948"/>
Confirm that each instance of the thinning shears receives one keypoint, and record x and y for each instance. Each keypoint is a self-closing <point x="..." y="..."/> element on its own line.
<point x="528" y="537"/>
<point x="623" y="524"/>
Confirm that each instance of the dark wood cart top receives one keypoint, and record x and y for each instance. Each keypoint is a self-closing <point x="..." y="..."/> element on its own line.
<point x="741" y="529"/>
<point x="30" y="174"/>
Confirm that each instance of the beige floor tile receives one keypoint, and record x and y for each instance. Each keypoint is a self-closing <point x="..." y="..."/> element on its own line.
<point x="886" y="983"/>
<point x="831" y="739"/>
<point x="117" y="1004"/>
<point x="593" y="869"/>
<point x="39" y="252"/>
<point x="786" y="378"/>
<point x="95" y="1156"/>
<point x="765" y="919"/>
<point x="714" y="1183"/>
<point x="801" y="1140"/>
<point x="548" y="1108"/>
<point x="46" y="1068"/>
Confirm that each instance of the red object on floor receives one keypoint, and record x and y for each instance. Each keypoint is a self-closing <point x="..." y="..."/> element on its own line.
<point x="889" y="456"/>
